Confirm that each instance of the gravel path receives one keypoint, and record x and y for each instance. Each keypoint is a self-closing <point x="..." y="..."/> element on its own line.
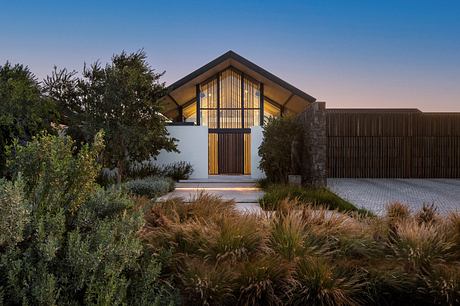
<point x="374" y="194"/>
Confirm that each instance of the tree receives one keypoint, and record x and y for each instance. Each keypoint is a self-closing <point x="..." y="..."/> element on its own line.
<point x="24" y="111"/>
<point x="122" y="99"/>
<point x="276" y="148"/>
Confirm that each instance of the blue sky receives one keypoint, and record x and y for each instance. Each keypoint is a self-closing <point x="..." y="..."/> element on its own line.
<point x="349" y="53"/>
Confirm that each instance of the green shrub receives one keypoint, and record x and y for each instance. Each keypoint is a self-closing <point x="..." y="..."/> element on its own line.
<point x="275" y="193"/>
<point x="177" y="171"/>
<point x="275" y="149"/>
<point x="144" y="169"/>
<point x="150" y="186"/>
<point x="73" y="242"/>
<point x="14" y="212"/>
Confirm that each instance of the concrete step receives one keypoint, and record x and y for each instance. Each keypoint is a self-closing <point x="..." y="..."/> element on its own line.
<point x="239" y="196"/>
<point x="215" y="185"/>
<point x="222" y="179"/>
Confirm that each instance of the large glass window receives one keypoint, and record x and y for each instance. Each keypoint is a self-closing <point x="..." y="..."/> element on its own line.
<point x="208" y="104"/>
<point x="230" y="101"/>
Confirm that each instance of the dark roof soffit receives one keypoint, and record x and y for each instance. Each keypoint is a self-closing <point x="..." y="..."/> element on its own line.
<point x="232" y="55"/>
<point x="373" y="110"/>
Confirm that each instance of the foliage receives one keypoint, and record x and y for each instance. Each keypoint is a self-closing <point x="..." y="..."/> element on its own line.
<point x="24" y="111"/>
<point x="275" y="150"/>
<point x="151" y="187"/>
<point x="317" y="282"/>
<point x="121" y="98"/>
<point x="75" y="243"/>
<point x="14" y="212"/>
<point x="302" y="255"/>
<point x="177" y="170"/>
<point x="275" y="193"/>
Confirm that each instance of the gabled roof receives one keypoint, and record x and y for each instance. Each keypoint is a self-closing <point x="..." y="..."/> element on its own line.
<point x="276" y="89"/>
<point x="232" y="55"/>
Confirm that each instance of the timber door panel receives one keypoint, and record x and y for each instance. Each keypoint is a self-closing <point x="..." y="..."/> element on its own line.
<point x="230" y="153"/>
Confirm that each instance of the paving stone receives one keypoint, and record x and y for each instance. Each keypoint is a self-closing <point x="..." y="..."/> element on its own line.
<point x="375" y="194"/>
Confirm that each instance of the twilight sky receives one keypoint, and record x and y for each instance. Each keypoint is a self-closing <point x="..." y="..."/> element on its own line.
<point x="353" y="53"/>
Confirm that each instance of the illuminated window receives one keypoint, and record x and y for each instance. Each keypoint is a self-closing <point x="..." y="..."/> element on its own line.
<point x="271" y="110"/>
<point x="230" y="101"/>
<point x="189" y="112"/>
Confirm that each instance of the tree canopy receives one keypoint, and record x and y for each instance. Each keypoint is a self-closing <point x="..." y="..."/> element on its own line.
<point x="121" y="98"/>
<point x="23" y="110"/>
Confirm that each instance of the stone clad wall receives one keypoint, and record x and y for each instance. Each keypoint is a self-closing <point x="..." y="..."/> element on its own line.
<point x="314" y="145"/>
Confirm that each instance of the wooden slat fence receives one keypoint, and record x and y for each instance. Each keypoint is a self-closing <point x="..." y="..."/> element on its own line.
<point x="393" y="144"/>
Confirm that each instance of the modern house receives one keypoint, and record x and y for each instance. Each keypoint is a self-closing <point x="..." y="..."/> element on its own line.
<point x="217" y="111"/>
<point x="229" y="99"/>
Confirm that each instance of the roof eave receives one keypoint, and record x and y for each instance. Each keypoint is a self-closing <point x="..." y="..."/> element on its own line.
<point x="234" y="56"/>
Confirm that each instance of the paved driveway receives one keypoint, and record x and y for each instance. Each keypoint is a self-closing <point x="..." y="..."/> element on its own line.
<point x="374" y="194"/>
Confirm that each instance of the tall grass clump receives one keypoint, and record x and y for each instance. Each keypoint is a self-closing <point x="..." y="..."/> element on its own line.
<point x="304" y="254"/>
<point x="318" y="282"/>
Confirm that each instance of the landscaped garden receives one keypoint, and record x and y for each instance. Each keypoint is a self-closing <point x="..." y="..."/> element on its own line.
<point x="79" y="224"/>
<point x="301" y="255"/>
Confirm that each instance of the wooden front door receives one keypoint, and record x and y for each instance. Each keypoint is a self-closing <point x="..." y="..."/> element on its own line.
<point x="231" y="153"/>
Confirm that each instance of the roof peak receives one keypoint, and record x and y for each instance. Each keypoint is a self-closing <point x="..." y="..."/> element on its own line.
<point x="230" y="54"/>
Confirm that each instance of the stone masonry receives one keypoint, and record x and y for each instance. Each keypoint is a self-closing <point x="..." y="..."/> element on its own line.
<point x="314" y="145"/>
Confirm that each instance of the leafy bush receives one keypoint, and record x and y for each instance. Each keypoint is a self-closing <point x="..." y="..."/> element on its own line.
<point x="275" y="150"/>
<point x="14" y="212"/>
<point x="150" y="186"/>
<point x="177" y="171"/>
<point x="276" y="193"/>
<point x="144" y="169"/>
<point x="72" y="243"/>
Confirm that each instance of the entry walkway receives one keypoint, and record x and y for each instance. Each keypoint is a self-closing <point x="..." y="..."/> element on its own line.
<point x="242" y="189"/>
<point x="375" y="194"/>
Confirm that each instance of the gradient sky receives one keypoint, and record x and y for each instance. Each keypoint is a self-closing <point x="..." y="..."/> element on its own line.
<point x="349" y="53"/>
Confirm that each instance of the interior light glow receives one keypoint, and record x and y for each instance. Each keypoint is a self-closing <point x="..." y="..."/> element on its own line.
<point x="217" y="188"/>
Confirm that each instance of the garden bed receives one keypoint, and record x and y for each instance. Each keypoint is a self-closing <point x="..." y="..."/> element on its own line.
<point x="301" y="255"/>
<point x="276" y="193"/>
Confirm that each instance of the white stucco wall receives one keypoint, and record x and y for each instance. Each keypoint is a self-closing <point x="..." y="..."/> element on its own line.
<point x="256" y="140"/>
<point x="193" y="147"/>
